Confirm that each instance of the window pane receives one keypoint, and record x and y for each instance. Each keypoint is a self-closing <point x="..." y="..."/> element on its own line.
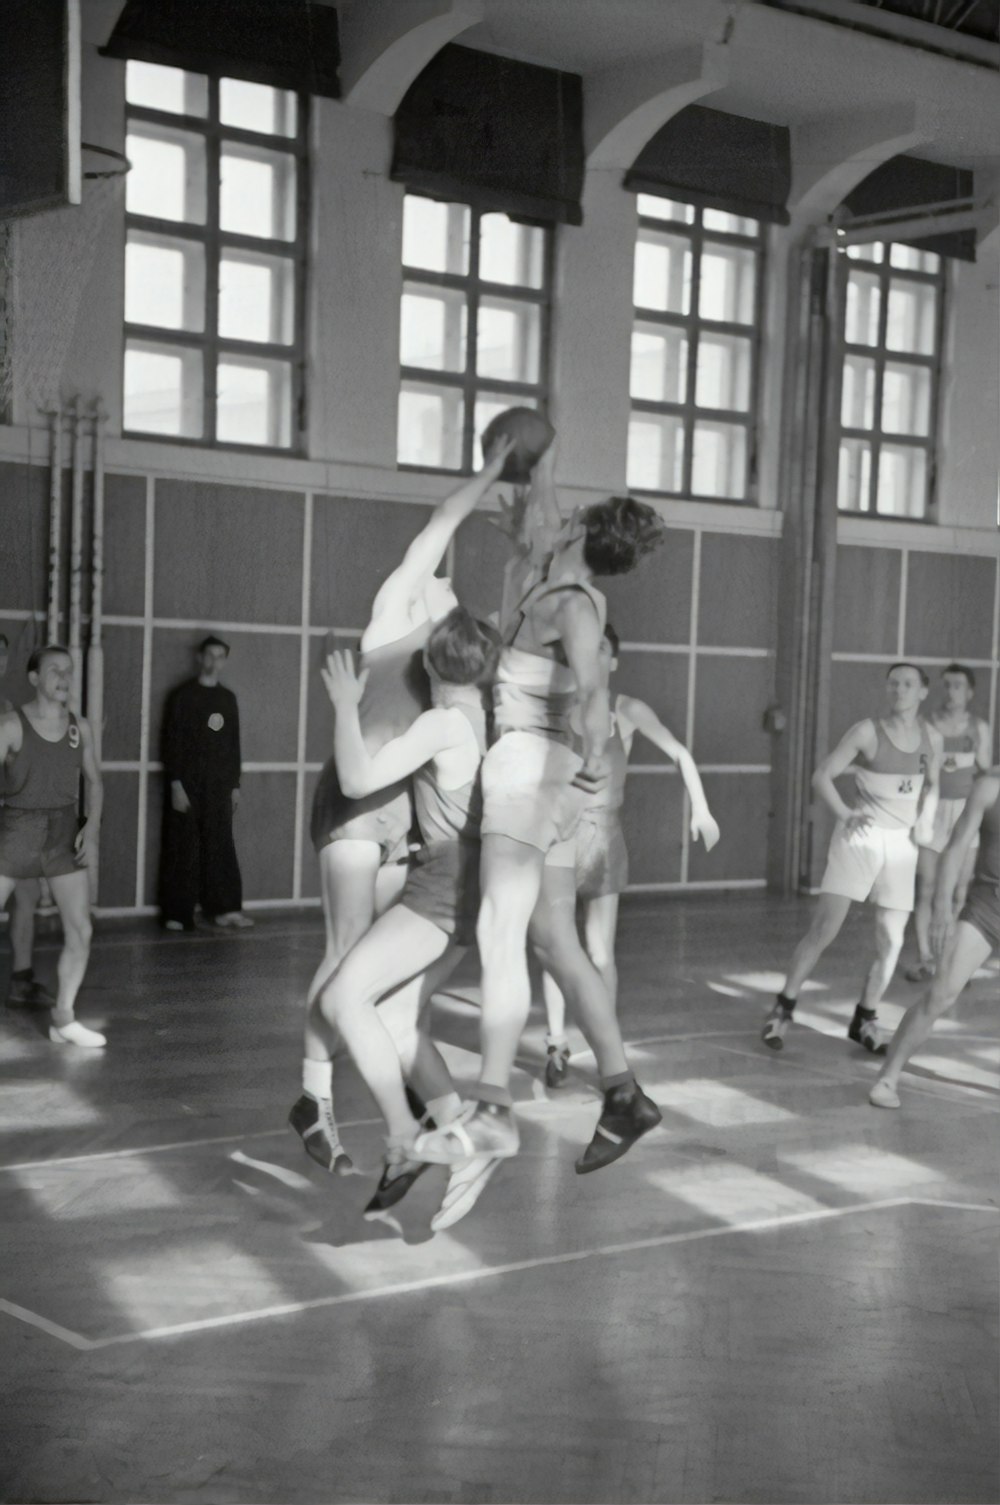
<point x="435" y="236"/>
<point x="719" y="460"/>
<point x="257" y="192"/>
<point x="510" y="253"/>
<point x="726" y="284"/>
<point x="172" y="89"/>
<point x="163" y="390"/>
<point x="732" y="224"/>
<point x="909" y="259"/>
<point x="430" y="426"/>
<point x="902" y="480"/>
<point x="507" y="340"/>
<point x="854" y="475"/>
<point x="254" y="402"/>
<point x="256" y="297"/>
<point x="256" y="107"/>
<point x="873" y="251"/>
<point x="662" y="272"/>
<point x="654" y="207"/>
<point x="167" y="179"/>
<point x="655" y="452"/>
<point x="863" y="303"/>
<point x="164" y="282"/>
<point x="659" y="363"/>
<point x="857" y="398"/>
<point x="432" y="328"/>
<point x="723" y="379"/>
<point x="912" y="311"/>
<point x="906" y="399"/>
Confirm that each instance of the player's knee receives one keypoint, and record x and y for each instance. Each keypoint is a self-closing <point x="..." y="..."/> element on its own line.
<point x="498" y="934"/>
<point x="79" y="933"/>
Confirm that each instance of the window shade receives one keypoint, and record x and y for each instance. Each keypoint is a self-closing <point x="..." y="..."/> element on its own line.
<point x="719" y="161"/>
<point x="907" y="182"/>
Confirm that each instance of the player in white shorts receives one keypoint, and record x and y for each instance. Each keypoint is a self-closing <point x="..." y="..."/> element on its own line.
<point x="873" y="851"/>
<point x="966" y="748"/>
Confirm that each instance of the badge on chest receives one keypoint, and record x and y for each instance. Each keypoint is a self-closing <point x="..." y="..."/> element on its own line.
<point x="216" y="721"/>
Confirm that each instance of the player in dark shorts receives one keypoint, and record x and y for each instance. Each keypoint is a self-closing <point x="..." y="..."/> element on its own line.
<point x="24" y="991"/>
<point x="44" y="749"/>
<point x="961" y="947"/>
<point x="363" y="844"/>
<point x="422" y="937"/>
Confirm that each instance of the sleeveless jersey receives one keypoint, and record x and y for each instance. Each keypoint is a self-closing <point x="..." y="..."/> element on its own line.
<point x="958" y="766"/>
<point x="533" y="693"/>
<point x="44" y="775"/>
<point x="987" y="868"/>
<point x="449" y="815"/>
<point x="890" y="784"/>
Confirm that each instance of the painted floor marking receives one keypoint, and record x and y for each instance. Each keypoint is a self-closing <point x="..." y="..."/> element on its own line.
<point x="466" y="1277"/>
<point x="975" y="1101"/>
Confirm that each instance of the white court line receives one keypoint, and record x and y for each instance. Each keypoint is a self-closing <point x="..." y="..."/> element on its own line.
<point x="179" y="1144"/>
<point x="847" y="1081"/>
<point x="75" y="1340"/>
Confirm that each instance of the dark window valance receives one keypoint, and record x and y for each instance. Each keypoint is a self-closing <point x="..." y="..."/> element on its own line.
<point x="908" y="182"/>
<point x="497" y="134"/>
<point x="719" y="161"/>
<point x="289" y="44"/>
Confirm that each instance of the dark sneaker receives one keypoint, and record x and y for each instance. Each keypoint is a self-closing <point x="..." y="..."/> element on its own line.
<point x="26" y="993"/>
<point x="398" y="1174"/>
<point x="864" y="1030"/>
<point x="627" y="1114"/>
<point x="419" y="1108"/>
<point x="556" y="1065"/>
<point x="776" y="1027"/>
<point x="316" y="1126"/>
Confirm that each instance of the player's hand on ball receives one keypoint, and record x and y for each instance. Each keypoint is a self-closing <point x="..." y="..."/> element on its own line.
<point x="498" y="452"/>
<point x="344" y="685"/>
<point x="703" y="825"/>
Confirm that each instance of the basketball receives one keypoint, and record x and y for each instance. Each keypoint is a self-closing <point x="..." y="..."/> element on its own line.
<point x="532" y="434"/>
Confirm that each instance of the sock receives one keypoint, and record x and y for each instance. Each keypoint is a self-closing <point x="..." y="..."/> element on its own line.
<point x="620" y="1079"/>
<point x="786" y="1002"/>
<point x="864" y="1013"/>
<point x="444" y="1109"/>
<point x="499" y="1096"/>
<point x="317" y="1078"/>
<point x="24" y="975"/>
<point x="556" y="1042"/>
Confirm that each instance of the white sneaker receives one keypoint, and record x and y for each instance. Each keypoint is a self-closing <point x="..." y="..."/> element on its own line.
<point x="75" y="1033"/>
<point x="465" y="1185"/>
<point x="235" y="920"/>
<point x="480" y="1129"/>
<point x="883" y="1095"/>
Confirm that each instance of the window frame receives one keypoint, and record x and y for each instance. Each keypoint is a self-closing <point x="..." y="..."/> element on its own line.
<point x="213" y="240"/>
<point x="882" y="356"/>
<point x="691" y="324"/>
<point x="473" y="288"/>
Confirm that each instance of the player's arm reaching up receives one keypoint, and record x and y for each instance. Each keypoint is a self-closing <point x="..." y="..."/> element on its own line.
<point x="636" y="715"/>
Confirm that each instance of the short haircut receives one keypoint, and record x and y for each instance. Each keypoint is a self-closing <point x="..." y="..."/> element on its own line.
<point x="961" y="669"/>
<point x="462" y="650"/>
<point x="904" y="663"/>
<point x="39" y="656"/>
<point x="619" y="532"/>
<point x="212" y="642"/>
<point x="613" y="639"/>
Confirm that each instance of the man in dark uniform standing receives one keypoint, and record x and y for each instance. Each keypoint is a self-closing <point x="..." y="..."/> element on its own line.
<point x="201" y="764"/>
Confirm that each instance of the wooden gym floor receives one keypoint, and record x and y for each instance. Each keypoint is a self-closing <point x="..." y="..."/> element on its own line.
<point x="781" y="1295"/>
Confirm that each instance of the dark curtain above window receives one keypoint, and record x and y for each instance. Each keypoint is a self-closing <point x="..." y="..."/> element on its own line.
<point x="908" y="182"/>
<point x="719" y="161"/>
<point x="288" y="44"/>
<point x="497" y="134"/>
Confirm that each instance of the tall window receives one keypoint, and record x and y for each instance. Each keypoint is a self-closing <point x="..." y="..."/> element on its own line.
<point x="893" y="324"/>
<point x="215" y="259"/>
<point x="474" y="328"/>
<point x="697" y="296"/>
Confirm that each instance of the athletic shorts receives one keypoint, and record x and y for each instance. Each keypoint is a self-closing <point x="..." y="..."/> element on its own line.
<point x="384" y="817"/>
<point x="443" y="886"/>
<point x="601" y="855"/>
<point x="982" y="909"/>
<point x="945" y="821"/>
<point x="529" y="794"/>
<point x="878" y="864"/>
<point x="38" y="843"/>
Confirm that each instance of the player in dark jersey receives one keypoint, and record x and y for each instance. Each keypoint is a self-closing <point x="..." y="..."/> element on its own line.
<point x="24" y="991"/>
<point x="961" y="947"/>
<point x="45" y="749"/>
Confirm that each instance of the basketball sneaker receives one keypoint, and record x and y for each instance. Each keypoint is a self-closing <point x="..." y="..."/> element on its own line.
<point x="314" y="1123"/>
<point x="465" y="1186"/>
<point x="627" y="1114"/>
<point x="27" y="993"/>
<point x="776" y="1026"/>
<point x="863" y="1030"/>
<point x="480" y="1129"/>
<point x="556" y="1065"/>
<point x="399" y="1172"/>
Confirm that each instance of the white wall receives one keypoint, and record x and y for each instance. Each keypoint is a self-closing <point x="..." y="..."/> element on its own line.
<point x="969" y="446"/>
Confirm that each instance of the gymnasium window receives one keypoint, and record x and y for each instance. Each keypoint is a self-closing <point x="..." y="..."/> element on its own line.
<point x="215" y="259"/>
<point x="474" y="328"/>
<point x="697" y="293"/>
<point x="892" y="343"/>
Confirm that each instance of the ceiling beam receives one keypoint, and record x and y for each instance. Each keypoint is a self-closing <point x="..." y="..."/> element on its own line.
<point x="385" y="46"/>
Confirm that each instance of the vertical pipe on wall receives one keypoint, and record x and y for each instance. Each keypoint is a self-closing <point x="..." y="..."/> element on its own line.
<point x="76" y="563"/>
<point x="52" y="633"/>
<point x="95" y="650"/>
